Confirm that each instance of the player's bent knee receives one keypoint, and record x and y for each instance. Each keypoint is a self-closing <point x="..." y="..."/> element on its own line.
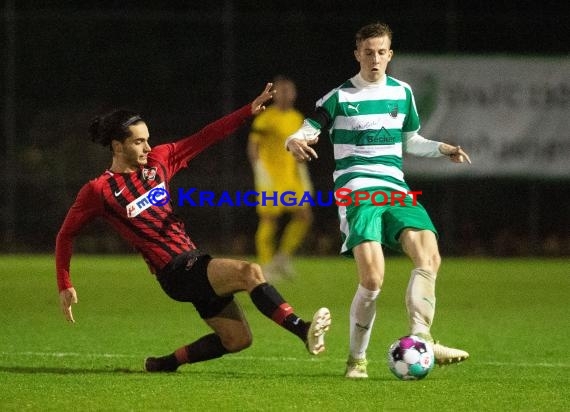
<point x="436" y="262"/>
<point x="426" y="258"/>
<point x="252" y="273"/>
<point x="372" y="282"/>
<point x="431" y="262"/>
<point x="237" y="342"/>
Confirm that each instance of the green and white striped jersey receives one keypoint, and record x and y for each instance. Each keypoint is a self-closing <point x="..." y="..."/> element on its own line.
<point x="370" y="122"/>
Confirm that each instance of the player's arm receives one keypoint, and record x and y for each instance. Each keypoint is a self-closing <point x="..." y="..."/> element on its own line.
<point x="84" y="209"/>
<point x="418" y="145"/>
<point x="259" y="131"/>
<point x="180" y="152"/>
<point x="252" y="151"/>
<point x="298" y="143"/>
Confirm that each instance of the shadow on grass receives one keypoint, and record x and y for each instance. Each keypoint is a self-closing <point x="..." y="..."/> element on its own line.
<point x="66" y="371"/>
<point x="183" y="372"/>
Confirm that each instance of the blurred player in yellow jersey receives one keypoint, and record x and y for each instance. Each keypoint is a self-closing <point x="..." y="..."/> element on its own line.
<point x="275" y="170"/>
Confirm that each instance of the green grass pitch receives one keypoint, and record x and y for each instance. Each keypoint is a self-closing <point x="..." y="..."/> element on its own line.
<point x="512" y="315"/>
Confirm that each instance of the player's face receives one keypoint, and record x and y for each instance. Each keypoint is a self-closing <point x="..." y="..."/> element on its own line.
<point x="135" y="148"/>
<point x="373" y="54"/>
<point x="286" y="94"/>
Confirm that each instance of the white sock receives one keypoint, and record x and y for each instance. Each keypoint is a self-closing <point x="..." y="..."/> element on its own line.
<point x="362" y="313"/>
<point x="420" y="300"/>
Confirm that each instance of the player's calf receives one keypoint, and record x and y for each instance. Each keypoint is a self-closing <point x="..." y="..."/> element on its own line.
<point x="237" y="343"/>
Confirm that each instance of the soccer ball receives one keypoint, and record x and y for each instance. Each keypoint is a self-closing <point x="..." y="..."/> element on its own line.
<point x="410" y="358"/>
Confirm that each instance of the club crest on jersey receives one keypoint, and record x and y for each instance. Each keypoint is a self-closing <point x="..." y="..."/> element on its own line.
<point x="393" y="110"/>
<point x="142" y="203"/>
<point x="149" y="173"/>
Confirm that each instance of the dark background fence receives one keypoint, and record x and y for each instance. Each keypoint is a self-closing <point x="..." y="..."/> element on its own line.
<point x="185" y="63"/>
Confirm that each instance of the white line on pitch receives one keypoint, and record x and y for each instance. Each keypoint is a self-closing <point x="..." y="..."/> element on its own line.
<point x="260" y="358"/>
<point x="67" y="355"/>
<point x="527" y="364"/>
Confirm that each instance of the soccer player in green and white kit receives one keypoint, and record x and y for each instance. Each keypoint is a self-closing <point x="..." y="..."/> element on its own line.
<point x="372" y="119"/>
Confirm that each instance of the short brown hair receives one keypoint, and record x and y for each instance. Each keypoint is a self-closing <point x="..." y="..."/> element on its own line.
<point x="373" y="30"/>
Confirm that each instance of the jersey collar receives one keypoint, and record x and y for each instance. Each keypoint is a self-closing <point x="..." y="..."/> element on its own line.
<point x="360" y="83"/>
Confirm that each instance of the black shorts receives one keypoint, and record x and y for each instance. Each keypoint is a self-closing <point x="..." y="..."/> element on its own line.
<point x="185" y="279"/>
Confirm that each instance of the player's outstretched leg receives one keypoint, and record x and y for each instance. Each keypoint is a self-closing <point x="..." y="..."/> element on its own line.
<point x="228" y="276"/>
<point x="231" y="334"/>
<point x="211" y="346"/>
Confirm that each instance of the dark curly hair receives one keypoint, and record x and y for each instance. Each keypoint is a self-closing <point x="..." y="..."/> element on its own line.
<point x="113" y="126"/>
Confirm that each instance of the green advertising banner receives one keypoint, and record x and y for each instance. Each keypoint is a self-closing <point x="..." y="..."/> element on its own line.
<point x="511" y="114"/>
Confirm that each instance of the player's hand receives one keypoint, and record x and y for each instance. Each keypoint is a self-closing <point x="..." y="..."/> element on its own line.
<point x="66" y="298"/>
<point x="301" y="150"/>
<point x="258" y="105"/>
<point x="456" y="153"/>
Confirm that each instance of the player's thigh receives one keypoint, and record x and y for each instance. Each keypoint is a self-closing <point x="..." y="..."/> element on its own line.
<point x="228" y="276"/>
<point x="232" y="327"/>
<point x="397" y="219"/>
<point x="359" y="224"/>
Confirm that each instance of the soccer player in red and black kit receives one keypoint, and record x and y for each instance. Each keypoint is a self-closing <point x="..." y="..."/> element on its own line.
<point x="121" y="197"/>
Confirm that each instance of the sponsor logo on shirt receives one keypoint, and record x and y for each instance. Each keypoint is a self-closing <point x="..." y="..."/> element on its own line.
<point x="154" y="197"/>
<point x="375" y="137"/>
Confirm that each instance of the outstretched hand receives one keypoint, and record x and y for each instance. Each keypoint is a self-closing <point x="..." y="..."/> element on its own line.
<point x="301" y="150"/>
<point x="66" y="298"/>
<point x="258" y="105"/>
<point x="456" y="153"/>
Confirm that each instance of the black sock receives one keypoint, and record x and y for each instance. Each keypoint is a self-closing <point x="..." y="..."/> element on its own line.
<point x="296" y="325"/>
<point x="170" y="362"/>
<point x="269" y="302"/>
<point x="206" y="348"/>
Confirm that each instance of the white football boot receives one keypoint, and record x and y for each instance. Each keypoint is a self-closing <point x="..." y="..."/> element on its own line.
<point x="444" y="355"/>
<point x="316" y="333"/>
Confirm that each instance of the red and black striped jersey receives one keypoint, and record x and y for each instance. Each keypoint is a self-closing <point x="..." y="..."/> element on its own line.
<point x="121" y="199"/>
